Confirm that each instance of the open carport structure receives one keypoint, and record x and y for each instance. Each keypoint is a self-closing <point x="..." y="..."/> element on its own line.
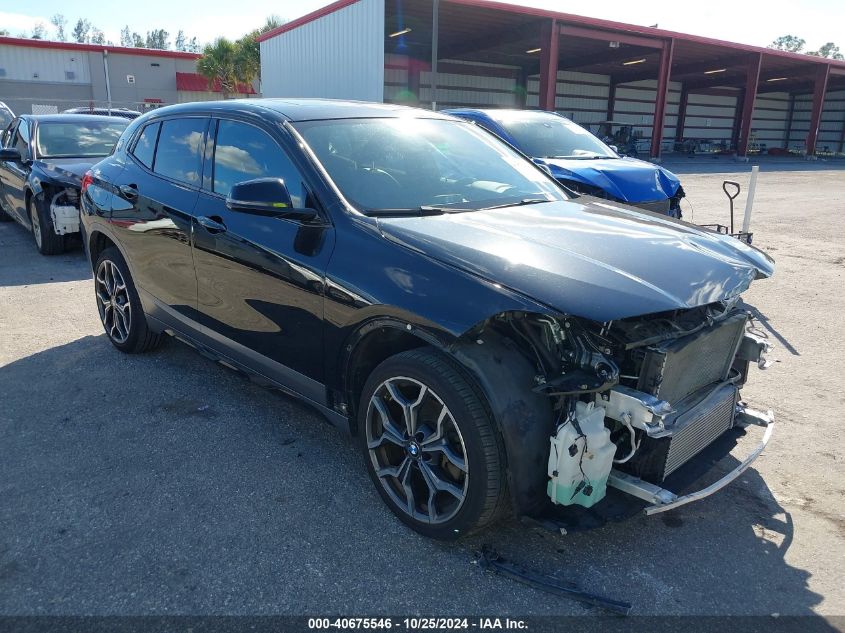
<point x="444" y="53"/>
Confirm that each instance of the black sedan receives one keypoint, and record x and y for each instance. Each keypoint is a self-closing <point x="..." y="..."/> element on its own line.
<point x="42" y="161"/>
<point x="495" y="346"/>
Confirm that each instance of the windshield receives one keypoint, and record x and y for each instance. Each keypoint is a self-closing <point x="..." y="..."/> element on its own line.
<point x="543" y="135"/>
<point x="415" y="165"/>
<point x="78" y="140"/>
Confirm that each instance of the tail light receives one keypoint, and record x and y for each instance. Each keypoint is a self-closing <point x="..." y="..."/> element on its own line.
<point x="87" y="180"/>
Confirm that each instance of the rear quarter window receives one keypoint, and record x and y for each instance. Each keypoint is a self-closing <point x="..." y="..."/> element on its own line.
<point x="146" y="144"/>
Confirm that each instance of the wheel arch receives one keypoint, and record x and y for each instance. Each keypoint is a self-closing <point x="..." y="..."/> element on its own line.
<point x="370" y="345"/>
<point x="501" y="371"/>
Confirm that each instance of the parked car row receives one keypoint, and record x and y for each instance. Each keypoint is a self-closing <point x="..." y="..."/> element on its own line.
<point x="496" y="343"/>
<point x="42" y="161"/>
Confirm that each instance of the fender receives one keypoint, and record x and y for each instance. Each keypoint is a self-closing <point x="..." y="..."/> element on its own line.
<point x="525" y="419"/>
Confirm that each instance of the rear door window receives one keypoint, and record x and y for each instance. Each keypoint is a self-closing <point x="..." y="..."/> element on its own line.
<point x="180" y="148"/>
<point x="146" y="145"/>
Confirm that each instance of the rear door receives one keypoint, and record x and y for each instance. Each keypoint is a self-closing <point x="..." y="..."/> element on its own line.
<point x="151" y="215"/>
<point x="260" y="278"/>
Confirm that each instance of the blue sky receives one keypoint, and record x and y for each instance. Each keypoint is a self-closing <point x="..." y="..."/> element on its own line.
<point x="750" y="22"/>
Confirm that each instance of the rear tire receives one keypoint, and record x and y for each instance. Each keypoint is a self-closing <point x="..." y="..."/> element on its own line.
<point x="46" y="240"/>
<point x="443" y="472"/>
<point x="120" y="307"/>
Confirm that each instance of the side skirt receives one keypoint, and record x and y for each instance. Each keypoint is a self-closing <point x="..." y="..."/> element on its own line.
<point x="336" y="419"/>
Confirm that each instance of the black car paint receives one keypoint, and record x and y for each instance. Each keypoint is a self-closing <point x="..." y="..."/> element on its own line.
<point x="28" y="177"/>
<point x="296" y="302"/>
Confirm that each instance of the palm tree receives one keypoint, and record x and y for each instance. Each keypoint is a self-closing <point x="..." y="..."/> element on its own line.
<point x="220" y="63"/>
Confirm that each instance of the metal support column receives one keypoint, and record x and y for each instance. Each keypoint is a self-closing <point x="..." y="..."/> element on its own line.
<point x="752" y="78"/>
<point x="819" y="90"/>
<point x="611" y="99"/>
<point x="790" y="111"/>
<point x="550" y="41"/>
<point x="736" y="124"/>
<point x="521" y="87"/>
<point x="682" y="114"/>
<point x="435" y="36"/>
<point x="663" y="76"/>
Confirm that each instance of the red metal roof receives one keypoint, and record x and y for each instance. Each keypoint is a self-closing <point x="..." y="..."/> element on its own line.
<point x="305" y="19"/>
<point x="195" y="82"/>
<point x="117" y="50"/>
<point x="569" y="18"/>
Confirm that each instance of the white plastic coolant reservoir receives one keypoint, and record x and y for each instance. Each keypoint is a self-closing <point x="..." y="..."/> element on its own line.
<point x="580" y="461"/>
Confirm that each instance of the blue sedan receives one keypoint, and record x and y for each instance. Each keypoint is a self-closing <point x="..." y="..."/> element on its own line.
<point x="580" y="161"/>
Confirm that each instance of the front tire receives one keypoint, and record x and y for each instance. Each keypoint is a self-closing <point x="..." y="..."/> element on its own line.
<point x="46" y="240"/>
<point x="431" y="446"/>
<point x="119" y="305"/>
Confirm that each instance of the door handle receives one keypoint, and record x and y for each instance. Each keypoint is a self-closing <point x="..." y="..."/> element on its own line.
<point x="213" y="224"/>
<point x="130" y="192"/>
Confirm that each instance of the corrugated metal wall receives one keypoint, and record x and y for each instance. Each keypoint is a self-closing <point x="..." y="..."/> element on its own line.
<point x="830" y="129"/>
<point x="340" y="55"/>
<point x="770" y="118"/>
<point x="20" y="63"/>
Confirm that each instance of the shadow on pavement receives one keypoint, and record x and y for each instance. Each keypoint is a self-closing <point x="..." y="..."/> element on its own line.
<point x="164" y="483"/>
<point x="21" y="265"/>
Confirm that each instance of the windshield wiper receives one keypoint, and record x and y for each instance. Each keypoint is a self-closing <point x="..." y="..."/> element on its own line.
<point x="583" y="157"/>
<point x="518" y="203"/>
<point x="423" y="210"/>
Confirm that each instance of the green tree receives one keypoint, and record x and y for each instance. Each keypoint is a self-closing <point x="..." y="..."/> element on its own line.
<point x="788" y="43"/>
<point x="81" y="31"/>
<point x="219" y="63"/>
<point x="137" y="40"/>
<point x="158" y="38"/>
<point x="249" y="54"/>
<point x="180" y="40"/>
<point x="97" y="36"/>
<point x="59" y="21"/>
<point x="39" y="31"/>
<point x="193" y="46"/>
<point x="125" y="36"/>
<point x="829" y="50"/>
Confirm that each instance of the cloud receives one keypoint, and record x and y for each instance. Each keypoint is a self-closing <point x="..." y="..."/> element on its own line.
<point x="18" y="22"/>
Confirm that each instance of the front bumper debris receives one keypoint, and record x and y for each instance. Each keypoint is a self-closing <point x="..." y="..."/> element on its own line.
<point x="662" y="500"/>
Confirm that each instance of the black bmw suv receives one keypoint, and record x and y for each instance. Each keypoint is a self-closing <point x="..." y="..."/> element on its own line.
<point x="495" y="346"/>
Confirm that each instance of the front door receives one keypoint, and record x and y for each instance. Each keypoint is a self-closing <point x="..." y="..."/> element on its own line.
<point x="260" y="278"/>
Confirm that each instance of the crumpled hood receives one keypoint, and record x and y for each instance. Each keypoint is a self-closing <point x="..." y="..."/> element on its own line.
<point x="588" y="258"/>
<point x="66" y="170"/>
<point x="627" y="179"/>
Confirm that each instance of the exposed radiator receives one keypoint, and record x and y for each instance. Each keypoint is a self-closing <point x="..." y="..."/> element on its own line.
<point x="696" y="426"/>
<point x="675" y="369"/>
<point x="700" y="426"/>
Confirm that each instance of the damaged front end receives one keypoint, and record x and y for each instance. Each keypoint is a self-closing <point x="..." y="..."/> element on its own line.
<point x="634" y="401"/>
<point x="64" y="210"/>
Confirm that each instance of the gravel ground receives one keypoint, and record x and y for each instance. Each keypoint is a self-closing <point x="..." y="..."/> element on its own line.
<point x="165" y="483"/>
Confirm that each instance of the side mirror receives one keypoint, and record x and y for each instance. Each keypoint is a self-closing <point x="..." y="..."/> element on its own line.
<point x="266" y="196"/>
<point x="10" y="154"/>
